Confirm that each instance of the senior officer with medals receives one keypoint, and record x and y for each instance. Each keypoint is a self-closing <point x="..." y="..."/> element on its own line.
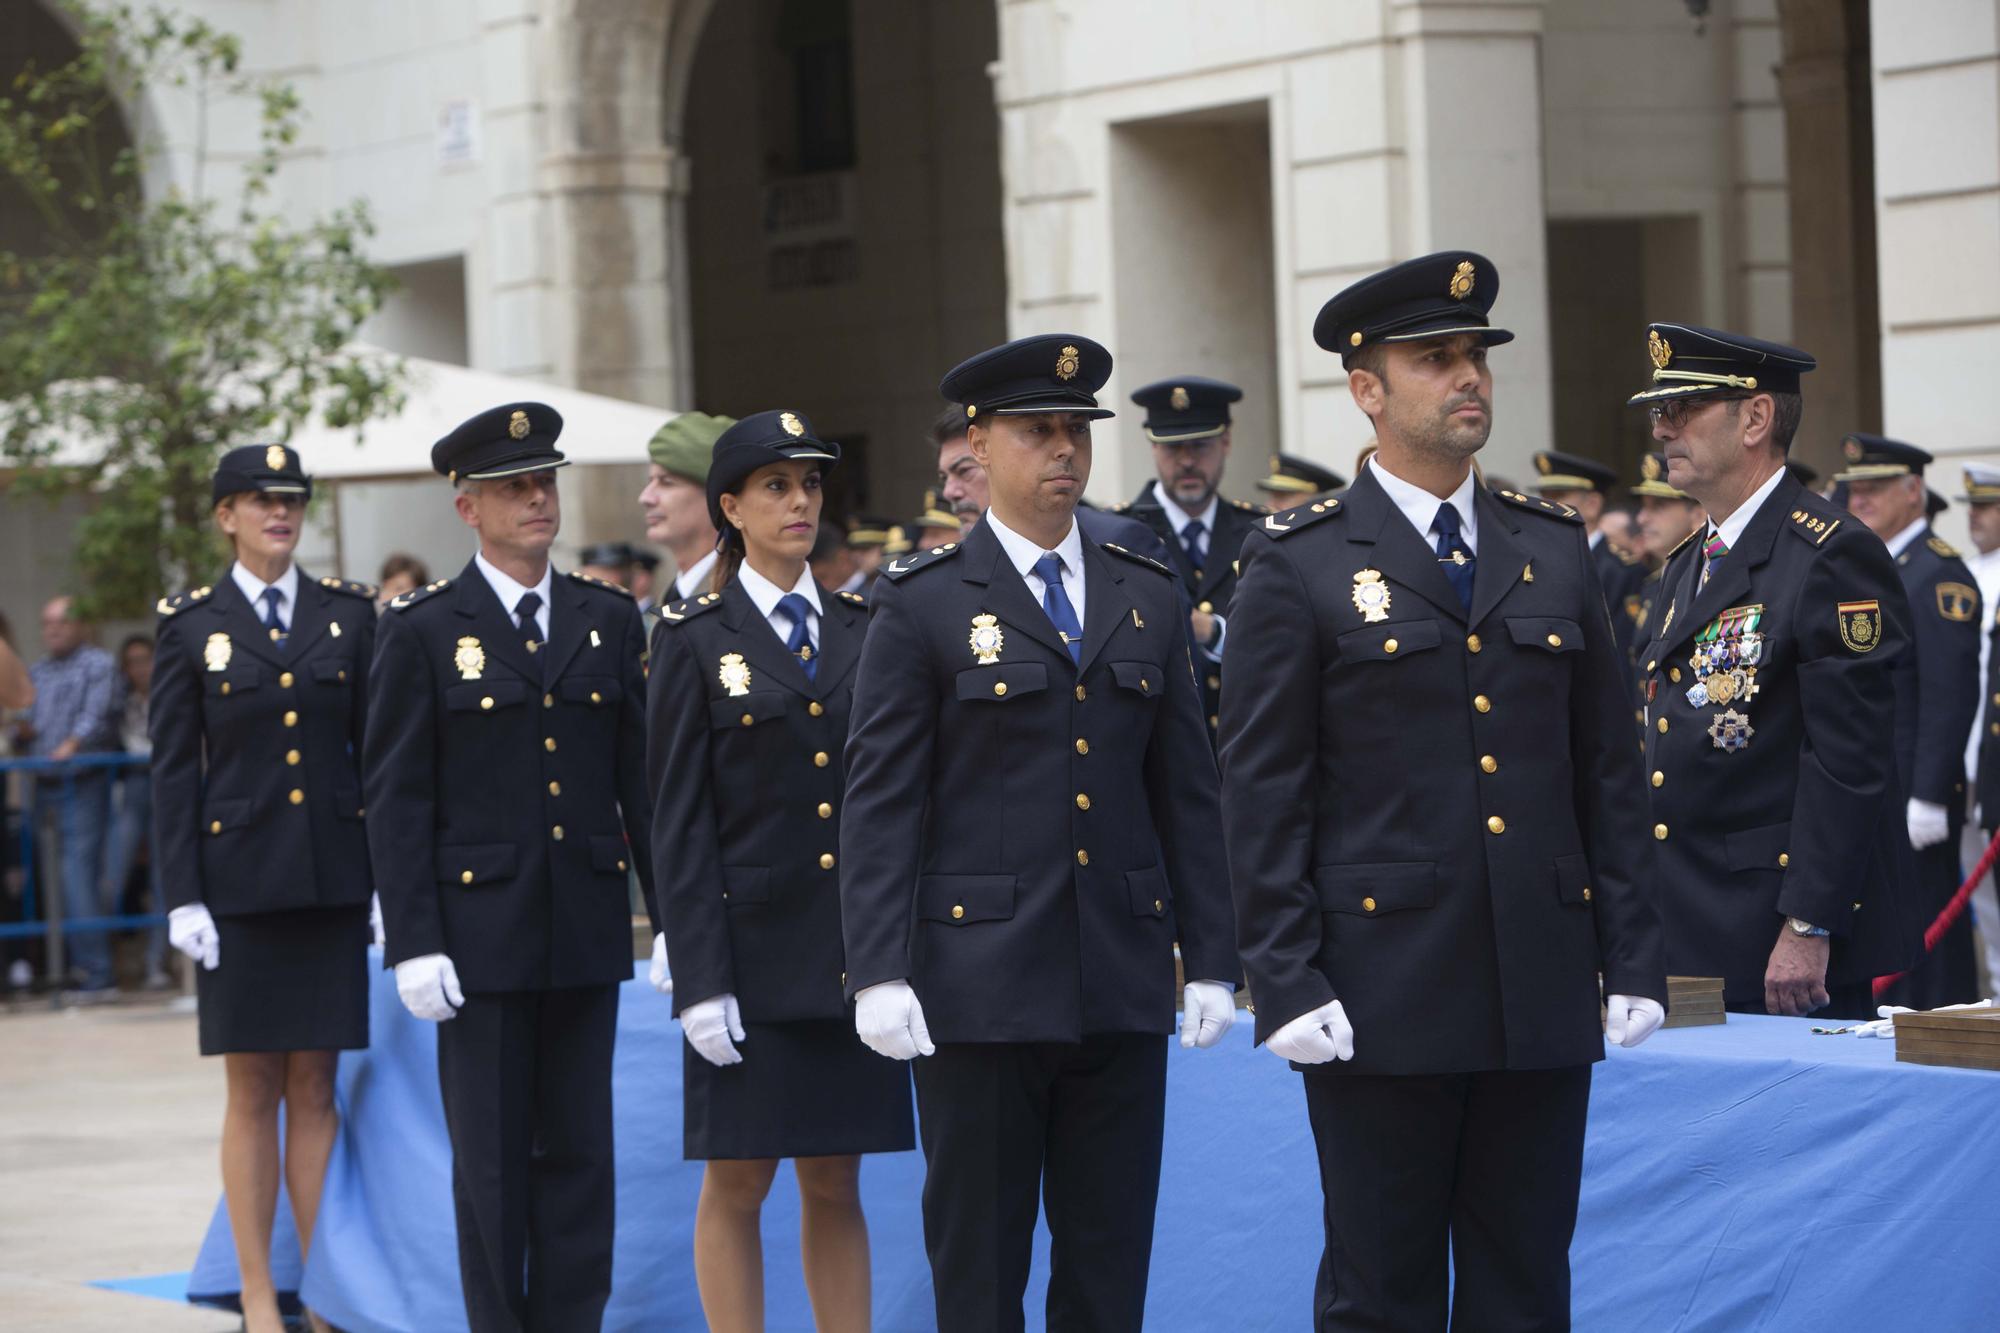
<point x="1030" y="828"/>
<point x="1188" y="425"/>
<point x="1584" y="484"/>
<point x="505" y="774"/>
<point x="1937" y="689"/>
<point x="1432" y="807"/>
<point x="1780" y="842"/>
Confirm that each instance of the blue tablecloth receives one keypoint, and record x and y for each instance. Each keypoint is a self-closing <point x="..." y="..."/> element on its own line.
<point x="1750" y="1176"/>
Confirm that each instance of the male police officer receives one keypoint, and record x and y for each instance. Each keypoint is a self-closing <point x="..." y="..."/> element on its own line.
<point x="1666" y="516"/>
<point x="1937" y="694"/>
<point x="1780" y="842"/>
<point x="675" y="503"/>
<point x="1030" y="827"/>
<point x="506" y="790"/>
<point x="1584" y="484"/>
<point x="1432" y="810"/>
<point x="1187" y="422"/>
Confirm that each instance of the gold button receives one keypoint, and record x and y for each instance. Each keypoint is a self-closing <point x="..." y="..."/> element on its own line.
<point x="999" y="687"/>
<point x="1586" y="893"/>
<point x="225" y="687"/>
<point x="292" y="758"/>
<point x="1495" y="824"/>
<point x="1660" y="832"/>
<point x="1144" y="684"/>
<point x="621" y="865"/>
<point x="596" y="698"/>
<point x="1206" y="608"/>
<point x="1555" y="640"/>
<point x="465" y="877"/>
<point x="298" y="797"/>
<point x="1488" y="764"/>
<point x="486" y="703"/>
<point x="534" y="647"/>
<point x="548" y="701"/>
<point x="1995" y="728"/>
<point x="1650" y="665"/>
<point x="1996" y="700"/>
<point x="1213" y="721"/>
<point x="1658" y="777"/>
<point x="1663" y="726"/>
<point x="1389" y="645"/>
<point x="1674" y="674"/>
<point x="1472" y="644"/>
<point x="1079" y="694"/>
<point x="825" y="810"/>
<point x="815" y="708"/>
<point x="1784" y="859"/>
<point x="286" y="680"/>
<point x="291" y="719"/>
<point x="549" y="744"/>
<point x="1354" y="339"/>
<point x="555" y="789"/>
<point x="1082" y="745"/>
<point x="826" y="860"/>
<point x="820" y="759"/>
<point x="747" y="719"/>
<point x="1158" y="906"/>
<point x="957" y="913"/>
<point x="215" y="827"/>
<point x="1082" y="801"/>
<point x="1367" y="904"/>
<point x="341" y="674"/>
<point x="1482" y="703"/>
<point x="556" y="833"/>
<point x="1082" y="857"/>
<point x="1215" y="682"/>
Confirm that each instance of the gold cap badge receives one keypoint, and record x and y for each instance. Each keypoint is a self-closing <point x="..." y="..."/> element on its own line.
<point x="1649" y="467"/>
<point x="470" y="659"/>
<point x="1178" y="399"/>
<point x="1852" y="448"/>
<point x="1659" y="349"/>
<point x="517" y="426"/>
<point x="216" y="652"/>
<point x="1067" y="363"/>
<point x="274" y="458"/>
<point x="1461" y="280"/>
<point x="1544" y="464"/>
<point x="790" y="424"/>
<point x="734" y="673"/>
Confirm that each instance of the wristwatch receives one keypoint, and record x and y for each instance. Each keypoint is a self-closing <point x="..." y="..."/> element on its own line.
<point x="1807" y="928"/>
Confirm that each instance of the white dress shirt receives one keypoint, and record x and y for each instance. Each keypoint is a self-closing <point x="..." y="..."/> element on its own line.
<point x="1180" y="518"/>
<point x="764" y="595"/>
<point x="1421" y="507"/>
<point x="1733" y="527"/>
<point x="510" y="592"/>
<point x="688" y="583"/>
<point x="253" y="587"/>
<point x="1023" y="554"/>
<point x="1901" y="541"/>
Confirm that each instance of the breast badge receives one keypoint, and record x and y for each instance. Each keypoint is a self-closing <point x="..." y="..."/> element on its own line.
<point x="1371" y="595"/>
<point x="216" y="652"/>
<point x="986" y="639"/>
<point x="734" y="673"/>
<point x="1730" y="730"/>
<point x="470" y="659"/>
<point x="1860" y="625"/>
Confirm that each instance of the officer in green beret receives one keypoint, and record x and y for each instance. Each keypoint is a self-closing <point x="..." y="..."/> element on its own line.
<point x="675" y="498"/>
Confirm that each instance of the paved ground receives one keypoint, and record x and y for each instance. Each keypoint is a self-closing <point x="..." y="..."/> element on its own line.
<point x="108" y="1129"/>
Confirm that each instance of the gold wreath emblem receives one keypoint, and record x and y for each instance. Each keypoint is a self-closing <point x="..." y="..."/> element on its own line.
<point x="274" y="458"/>
<point x="216" y="652"/>
<point x="1649" y="467"/>
<point x="791" y="424"/>
<point x="1659" y="349"/>
<point x="1178" y="399"/>
<point x="1461" y="280"/>
<point x="517" y="425"/>
<point x="470" y="659"/>
<point x="734" y="673"/>
<point x="1544" y="464"/>
<point x="1067" y="363"/>
<point x="986" y="640"/>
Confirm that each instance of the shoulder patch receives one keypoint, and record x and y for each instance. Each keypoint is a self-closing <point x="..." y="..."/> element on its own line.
<point x="905" y="565"/>
<point x="1957" y="602"/>
<point x="365" y="591"/>
<point x="852" y="598"/>
<point x="415" y="595"/>
<point x="1535" y="504"/>
<point x="674" y="613"/>
<point x="605" y="584"/>
<point x="1812" y="527"/>
<point x="1287" y="521"/>
<point x="1136" y="558"/>
<point x="173" y="606"/>
<point x="1943" y="548"/>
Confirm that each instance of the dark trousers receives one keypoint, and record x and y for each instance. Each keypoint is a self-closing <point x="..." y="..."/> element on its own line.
<point x="1947" y="974"/>
<point x="1080" y="1122"/>
<point x="526" y="1077"/>
<point x="1482" y="1167"/>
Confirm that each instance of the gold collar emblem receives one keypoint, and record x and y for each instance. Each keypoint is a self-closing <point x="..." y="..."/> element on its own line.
<point x="1067" y="363"/>
<point x="1371" y="595"/>
<point x="986" y="639"/>
<point x="1659" y="349"/>
<point x="470" y="659"/>
<point x="791" y="424"/>
<point x="216" y="652"/>
<point x="734" y="674"/>
<point x="1461" y="280"/>
<point x="274" y="458"/>
<point x="1178" y="399"/>
<point x="517" y="426"/>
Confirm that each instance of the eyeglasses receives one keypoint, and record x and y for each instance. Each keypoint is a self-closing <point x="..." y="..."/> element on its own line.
<point x="1676" y="411"/>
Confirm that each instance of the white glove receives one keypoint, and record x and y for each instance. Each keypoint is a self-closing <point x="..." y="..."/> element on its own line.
<point x="429" y="987"/>
<point x="889" y="1019"/>
<point x="663" y="980"/>
<point x="192" y="930"/>
<point x="1885" y="1026"/>
<point x="709" y="1025"/>
<point x="1928" y="824"/>
<point x="1208" y="1010"/>
<point x="375" y="920"/>
<point x="1630" y="1019"/>
<point x="1315" y="1037"/>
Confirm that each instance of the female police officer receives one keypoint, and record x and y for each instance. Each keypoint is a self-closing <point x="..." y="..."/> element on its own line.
<point x="747" y="717"/>
<point x="256" y="721"/>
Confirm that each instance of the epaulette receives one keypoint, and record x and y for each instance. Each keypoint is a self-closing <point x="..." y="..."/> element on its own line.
<point x="605" y="584"/>
<point x="1136" y="558"/>
<point x="1291" y="520"/>
<point x="852" y="598"/>
<point x="1536" y="504"/>
<point x="1693" y="532"/>
<point x="1943" y="548"/>
<point x="1811" y="527"/>
<point x="366" y="591"/>
<point x="1118" y="508"/>
<point x="415" y="595"/>
<point x="905" y="565"/>
<point x="173" y="606"/>
<point x="681" y="611"/>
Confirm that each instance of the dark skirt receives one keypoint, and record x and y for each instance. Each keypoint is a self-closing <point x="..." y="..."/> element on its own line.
<point x="807" y="1089"/>
<point x="289" y="981"/>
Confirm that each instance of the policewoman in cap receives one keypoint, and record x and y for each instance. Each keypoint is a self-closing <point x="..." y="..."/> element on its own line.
<point x="1187" y="423"/>
<point x="1030" y="828"/>
<point x="1778" y="826"/>
<point x="1432" y="810"/>
<point x="1293" y="479"/>
<point x="746" y="730"/>
<point x="1937" y="687"/>
<point x="505" y="773"/>
<point x="1584" y="484"/>
<point x="674" y="501"/>
<point x="259" y="695"/>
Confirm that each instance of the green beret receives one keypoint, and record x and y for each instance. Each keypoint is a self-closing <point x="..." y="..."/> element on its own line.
<point x="684" y="445"/>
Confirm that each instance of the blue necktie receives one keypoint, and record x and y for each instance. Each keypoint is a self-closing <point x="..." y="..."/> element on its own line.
<point x="1197" y="549"/>
<point x="798" y="643"/>
<point x="1056" y="602"/>
<point x="1454" y="557"/>
<point x="272" y="621"/>
<point x="524" y="615"/>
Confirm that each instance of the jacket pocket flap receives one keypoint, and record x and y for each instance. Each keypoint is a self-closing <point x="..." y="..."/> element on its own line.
<point x="1001" y="682"/>
<point x="483" y="696"/>
<point x="333" y="671"/>
<point x="1551" y="634"/>
<point x="1148" y="891"/>
<point x="222" y="816"/>
<point x="746" y="710"/>
<point x="746" y="884"/>
<point x="479" y="863"/>
<point x="960" y="900"/>
<point x="1372" y="889"/>
<point x="1388" y="641"/>
<point x="1758" y="848"/>
<point x="607" y="853"/>
<point x="231" y="682"/>
<point x="596" y="691"/>
<point x="1139" y="677"/>
<point x="1573" y="878"/>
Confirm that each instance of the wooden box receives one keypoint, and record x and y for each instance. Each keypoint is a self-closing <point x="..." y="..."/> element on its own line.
<point x="1694" y="1002"/>
<point x="1961" y="1039"/>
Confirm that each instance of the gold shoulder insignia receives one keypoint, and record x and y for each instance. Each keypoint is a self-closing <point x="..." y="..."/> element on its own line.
<point x="1535" y="504"/>
<point x="348" y="586"/>
<point x="1118" y="508"/>
<point x="904" y="565"/>
<point x="853" y="598"/>
<point x="173" y="606"/>
<point x="415" y="595"/>
<point x="1249" y="507"/>
<point x="1692" y="534"/>
<point x="677" y="612"/>
<point x="1957" y="602"/>
<point x="1943" y="548"/>
<point x="1136" y="558"/>
<point x="1287" y="521"/>
<point x="600" y="583"/>
<point x="1811" y="527"/>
